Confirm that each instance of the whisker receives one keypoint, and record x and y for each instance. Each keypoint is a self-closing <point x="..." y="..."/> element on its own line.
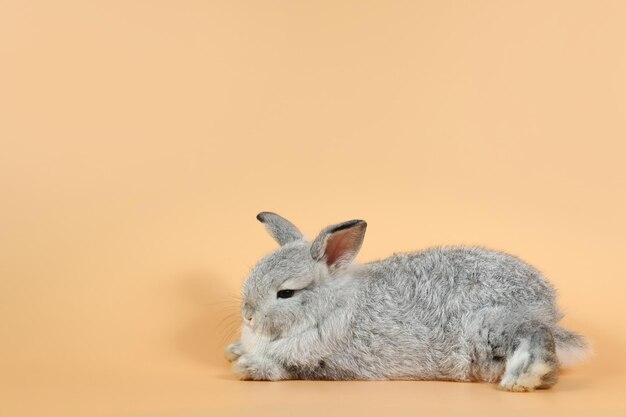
<point x="227" y="318"/>
<point x="226" y="336"/>
<point x="233" y="303"/>
<point x="232" y="333"/>
<point x="227" y="333"/>
<point x="227" y="313"/>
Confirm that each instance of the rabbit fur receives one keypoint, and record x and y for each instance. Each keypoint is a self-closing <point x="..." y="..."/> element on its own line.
<point x="446" y="313"/>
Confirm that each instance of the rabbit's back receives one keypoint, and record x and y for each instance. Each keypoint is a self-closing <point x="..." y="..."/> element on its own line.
<point x="446" y="281"/>
<point x="433" y="305"/>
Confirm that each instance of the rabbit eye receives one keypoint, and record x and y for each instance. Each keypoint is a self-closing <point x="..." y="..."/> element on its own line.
<point x="285" y="293"/>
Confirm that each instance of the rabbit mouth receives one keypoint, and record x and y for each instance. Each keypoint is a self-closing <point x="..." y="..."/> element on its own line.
<point x="266" y="329"/>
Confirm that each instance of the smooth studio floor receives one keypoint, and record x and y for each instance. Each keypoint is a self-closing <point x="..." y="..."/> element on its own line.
<point x="195" y="389"/>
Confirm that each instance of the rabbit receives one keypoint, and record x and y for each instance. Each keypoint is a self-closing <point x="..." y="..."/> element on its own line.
<point x="444" y="313"/>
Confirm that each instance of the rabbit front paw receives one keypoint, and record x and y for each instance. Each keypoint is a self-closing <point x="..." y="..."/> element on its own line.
<point x="257" y="368"/>
<point x="233" y="351"/>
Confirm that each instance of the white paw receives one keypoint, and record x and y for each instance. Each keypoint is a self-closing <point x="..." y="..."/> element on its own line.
<point x="525" y="374"/>
<point x="256" y="368"/>
<point x="233" y="351"/>
<point x="527" y="381"/>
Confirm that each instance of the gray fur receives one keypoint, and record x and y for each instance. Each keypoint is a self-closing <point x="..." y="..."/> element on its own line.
<point x="448" y="313"/>
<point x="281" y="229"/>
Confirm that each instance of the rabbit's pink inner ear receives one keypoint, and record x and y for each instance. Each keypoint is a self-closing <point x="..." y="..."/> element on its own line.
<point x="343" y="245"/>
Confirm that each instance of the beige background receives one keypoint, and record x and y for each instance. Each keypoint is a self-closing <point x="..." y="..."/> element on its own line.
<point x="140" y="138"/>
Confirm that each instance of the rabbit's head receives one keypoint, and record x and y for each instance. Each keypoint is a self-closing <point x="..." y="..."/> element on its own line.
<point x="291" y="288"/>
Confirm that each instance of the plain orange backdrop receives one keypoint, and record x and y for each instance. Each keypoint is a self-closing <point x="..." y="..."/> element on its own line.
<point x="139" y="139"/>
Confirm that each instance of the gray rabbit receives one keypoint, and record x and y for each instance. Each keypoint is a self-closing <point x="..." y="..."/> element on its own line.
<point x="449" y="313"/>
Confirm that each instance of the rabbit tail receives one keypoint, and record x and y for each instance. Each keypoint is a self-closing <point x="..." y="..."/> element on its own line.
<point x="571" y="348"/>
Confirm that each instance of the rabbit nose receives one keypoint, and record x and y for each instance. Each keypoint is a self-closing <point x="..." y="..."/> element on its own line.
<point x="247" y="311"/>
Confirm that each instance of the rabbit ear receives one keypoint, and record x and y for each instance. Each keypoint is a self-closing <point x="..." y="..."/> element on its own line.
<point x="281" y="229"/>
<point x="339" y="244"/>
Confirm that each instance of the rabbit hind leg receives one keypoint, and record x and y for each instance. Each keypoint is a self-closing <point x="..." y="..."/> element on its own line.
<point x="531" y="362"/>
